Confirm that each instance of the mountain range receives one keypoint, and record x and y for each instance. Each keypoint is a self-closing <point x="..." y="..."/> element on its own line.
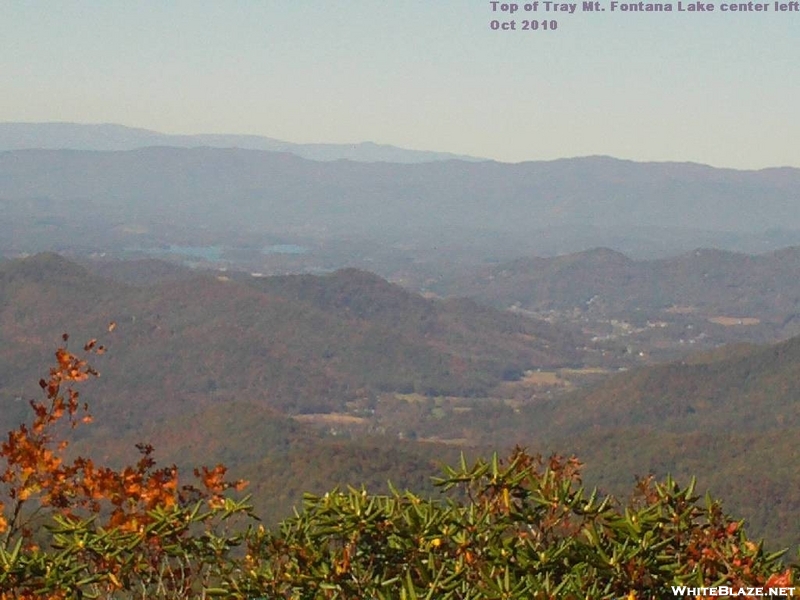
<point x="112" y="137"/>
<point x="303" y="382"/>
<point x="434" y="215"/>
<point x="700" y="299"/>
<point x="249" y="188"/>
<point x="705" y="280"/>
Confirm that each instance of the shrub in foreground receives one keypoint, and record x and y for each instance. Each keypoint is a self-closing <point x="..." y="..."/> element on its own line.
<point x="76" y="529"/>
<point x="521" y="527"/>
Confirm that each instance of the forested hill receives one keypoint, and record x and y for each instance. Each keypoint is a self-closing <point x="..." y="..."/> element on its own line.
<point x="730" y="417"/>
<point x="739" y="388"/>
<point x="302" y="346"/>
<point x="608" y="282"/>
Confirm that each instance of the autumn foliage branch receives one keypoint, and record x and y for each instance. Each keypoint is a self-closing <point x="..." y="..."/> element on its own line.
<point x="110" y="528"/>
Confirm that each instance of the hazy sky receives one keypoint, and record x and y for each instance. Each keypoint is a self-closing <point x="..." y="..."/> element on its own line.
<point x="715" y="87"/>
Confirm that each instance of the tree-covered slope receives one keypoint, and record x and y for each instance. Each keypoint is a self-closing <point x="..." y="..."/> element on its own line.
<point x="190" y="342"/>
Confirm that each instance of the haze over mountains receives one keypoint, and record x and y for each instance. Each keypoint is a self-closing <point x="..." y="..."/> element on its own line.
<point x="249" y="188"/>
<point x="426" y="217"/>
<point x="111" y="137"/>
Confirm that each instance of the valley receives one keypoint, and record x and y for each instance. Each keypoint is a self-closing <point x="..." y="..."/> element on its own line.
<point x="317" y="322"/>
<point x="348" y="378"/>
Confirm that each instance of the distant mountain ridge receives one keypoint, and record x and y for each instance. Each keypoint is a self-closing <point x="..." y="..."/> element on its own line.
<point x="607" y="281"/>
<point x="113" y="137"/>
<point x="433" y="215"/>
<point x="443" y="196"/>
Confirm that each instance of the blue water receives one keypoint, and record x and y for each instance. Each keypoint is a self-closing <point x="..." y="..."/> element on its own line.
<point x="213" y="253"/>
<point x="209" y="253"/>
<point x="284" y="249"/>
